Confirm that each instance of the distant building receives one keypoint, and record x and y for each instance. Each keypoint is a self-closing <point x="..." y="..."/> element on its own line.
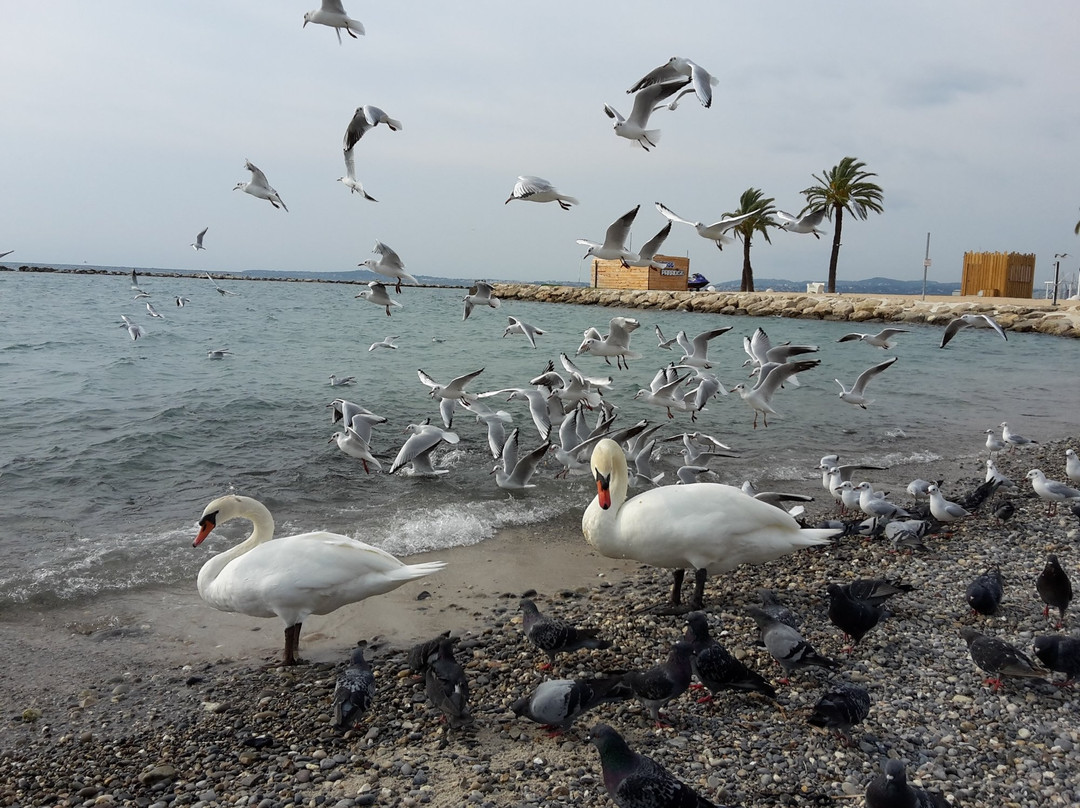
<point x="998" y="274"/>
<point x="672" y="277"/>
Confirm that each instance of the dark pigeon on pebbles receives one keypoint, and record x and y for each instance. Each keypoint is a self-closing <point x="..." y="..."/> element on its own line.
<point x="787" y="646"/>
<point x="891" y="790"/>
<point x="1004" y="512"/>
<point x="851" y="615"/>
<point x="715" y="667"/>
<point x="840" y="708"/>
<point x="558" y="702"/>
<point x="658" y="685"/>
<point x="1061" y="654"/>
<point x="354" y="693"/>
<point x="1054" y="588"/>
<point x="999" y="659"/>
<point x="876" y="590"/>
<point x="446" y="686"/>
<point x="638" y="781"/>
<point x="984" y="594"/>
<point x="552" y="635"/>
<point x="424" y="653"/>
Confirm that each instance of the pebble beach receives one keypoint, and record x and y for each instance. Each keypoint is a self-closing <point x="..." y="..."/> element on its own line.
<point x="127" y="712"/>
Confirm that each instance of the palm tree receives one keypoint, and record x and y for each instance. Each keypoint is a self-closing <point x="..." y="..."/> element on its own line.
<point x="845" y="186"/>
<point x="753" y="202"/>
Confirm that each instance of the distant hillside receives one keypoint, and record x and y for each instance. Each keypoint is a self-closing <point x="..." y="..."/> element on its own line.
<point x="868" y="286"/>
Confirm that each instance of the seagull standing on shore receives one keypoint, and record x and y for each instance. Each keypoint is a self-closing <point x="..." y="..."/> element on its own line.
<point x="537" y="189"/>
<point x="258" y="187"/>
<point x="332" y="14"/>
<point x="1011" y="439"/>
<point x="197" y="244"/>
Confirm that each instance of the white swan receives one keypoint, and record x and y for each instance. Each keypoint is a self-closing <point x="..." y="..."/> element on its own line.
<point x="293" y="576"/>
<point x="705" y="526"/>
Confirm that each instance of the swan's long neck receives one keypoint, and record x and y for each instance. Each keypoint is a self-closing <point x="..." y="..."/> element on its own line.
<point x="262" y="530"/>
<point x="599" y="524"/>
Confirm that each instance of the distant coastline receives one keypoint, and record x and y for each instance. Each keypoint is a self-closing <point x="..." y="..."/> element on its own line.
<point x="1013" y="314"/>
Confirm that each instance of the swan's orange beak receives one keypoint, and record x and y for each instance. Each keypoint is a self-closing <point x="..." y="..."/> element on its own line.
<point x="603" y="495"/>
<point x="206" y="524"/>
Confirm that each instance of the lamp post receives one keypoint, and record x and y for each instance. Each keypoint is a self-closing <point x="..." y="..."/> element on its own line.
<point x="1057" y="270"/>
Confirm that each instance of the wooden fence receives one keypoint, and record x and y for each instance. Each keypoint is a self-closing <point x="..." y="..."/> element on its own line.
<point x="998" y="274"/>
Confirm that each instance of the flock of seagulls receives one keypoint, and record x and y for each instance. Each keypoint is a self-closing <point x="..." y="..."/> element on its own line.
<point x="136" y="331"/>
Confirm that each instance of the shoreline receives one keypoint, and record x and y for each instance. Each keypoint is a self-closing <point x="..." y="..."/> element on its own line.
<point x="155" y="694"/>
<point x="1021" y="315"/>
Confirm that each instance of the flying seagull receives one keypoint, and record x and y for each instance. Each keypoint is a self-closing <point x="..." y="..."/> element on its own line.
<point x="802" y="224"/>
<point x="713" y="232"/>
<point x="390" y="265"/>
<point x="258" y="187"/>
<point x="537" y="189"/>
<point x="332" y="14"/>
<point x="614" y="246"/>
<point x="645" y="103"/>
<point x="678" y="68"/>
<point x="974" y="321"/>
<point x="221" y="291"/>
<point x="857" y="394"/>
<point x="197" y="244"/>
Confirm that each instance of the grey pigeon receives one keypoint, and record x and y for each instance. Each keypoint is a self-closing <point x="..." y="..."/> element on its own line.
<point x="841" y="707"/>
<point x="1004" y="512"/>
<point x="853" y="616"/>
<point x="1061" y="654"/>
<point x="999" y="659"/>
<point x="715" y="667"/>
<point x="354" y="692"/>
<point x="787" y="646"/>
<point x="984" y="594"/>
<point x="876" y="590"/>
<point x="447" y="687"/>
<point x="556" y="703"/>
<point x="771" y="605"/>
<point x="891" y="790"/>
<point x="1054" y="588"/>
<point x="552" y="635"/>
<point x="658" y="685"/>
<point x="638" y="781"/>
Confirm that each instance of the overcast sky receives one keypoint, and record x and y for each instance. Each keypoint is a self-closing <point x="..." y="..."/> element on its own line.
<point x="126" y="126"/>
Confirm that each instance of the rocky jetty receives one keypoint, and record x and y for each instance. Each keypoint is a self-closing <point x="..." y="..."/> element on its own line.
<point x="1012" y="314"/>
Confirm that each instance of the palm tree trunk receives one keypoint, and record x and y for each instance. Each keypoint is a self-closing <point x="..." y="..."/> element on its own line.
<point x="747" y="284"/>
<point x="834" y="258"/>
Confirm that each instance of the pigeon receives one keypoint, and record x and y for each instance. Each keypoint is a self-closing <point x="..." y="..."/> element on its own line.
<point x="787" y="646"/>
<point x="1055" y="588"/>
<point x="891" y="790"/>
<point x="984" y="594"/>
<point x="354" y="693"/>
<point x="851" y="615"/>
<point x="424" y="653"/>
<point x="552" y="635"/>
<point x="1004" y="512"/>
<point x="656" y="686"/>
<point x="841" y="707"/>
<point x="876" y="590"/>
<point x="446" y="686"/>
<point x="1059" y="653"/>
<point x="772" y="606"/>
<point x="638" y="781"/>
<point x="715" y="667"/>
<point x="556" y="703"/>
<point x="999" y="659"/>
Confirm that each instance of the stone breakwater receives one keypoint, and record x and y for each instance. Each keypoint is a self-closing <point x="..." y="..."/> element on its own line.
<point x="1012" y="314"/>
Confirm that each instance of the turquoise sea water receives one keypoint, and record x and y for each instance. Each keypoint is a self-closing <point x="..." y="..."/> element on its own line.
<point x="110" y="449"/>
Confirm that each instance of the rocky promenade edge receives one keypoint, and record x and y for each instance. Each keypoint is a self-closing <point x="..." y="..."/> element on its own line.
<point x="1013" y="314"/>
